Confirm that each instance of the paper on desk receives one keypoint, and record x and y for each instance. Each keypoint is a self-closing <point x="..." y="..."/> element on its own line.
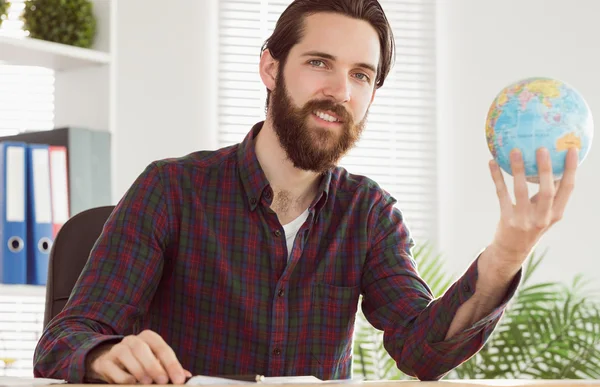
<point x="199" y="380"/>
<point x="212" y="380"/>
<point x="290" y="379"/>
<point x="10" y="381"/>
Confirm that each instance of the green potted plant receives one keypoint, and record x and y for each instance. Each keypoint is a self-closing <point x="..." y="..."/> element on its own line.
<point x="69" y="22"/>
<point x="3" y="9"/>
<point x="549" y="331"/>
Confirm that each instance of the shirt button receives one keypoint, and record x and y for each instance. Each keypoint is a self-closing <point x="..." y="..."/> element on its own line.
<point x="277" y="233"/>
<point x="268" y="193"/>
<point x="280" y="293"/>
<point x="276" y="352"/>
<point x="253" y="201"/>
<point x="466" y="288"/>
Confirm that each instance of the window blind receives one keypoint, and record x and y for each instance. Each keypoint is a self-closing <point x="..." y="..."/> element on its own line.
<point x="21" y="324"/>
<point x="398" y="145"/>
<point x="26" y="92"/>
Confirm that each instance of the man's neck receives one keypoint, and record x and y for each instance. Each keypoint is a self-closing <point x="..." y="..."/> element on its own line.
<point x="294" y="189"/>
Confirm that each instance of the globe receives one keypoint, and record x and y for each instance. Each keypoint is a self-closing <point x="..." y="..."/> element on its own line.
<point x="538" y="112"/>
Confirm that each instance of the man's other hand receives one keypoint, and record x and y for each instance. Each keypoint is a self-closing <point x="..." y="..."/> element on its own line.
<point x="144" y="358"/>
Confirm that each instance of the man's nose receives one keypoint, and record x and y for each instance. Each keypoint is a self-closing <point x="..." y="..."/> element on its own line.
<point x="338" y="88"/>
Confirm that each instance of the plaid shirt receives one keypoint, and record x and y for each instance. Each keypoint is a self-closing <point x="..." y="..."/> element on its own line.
<point x="194" y="253"/>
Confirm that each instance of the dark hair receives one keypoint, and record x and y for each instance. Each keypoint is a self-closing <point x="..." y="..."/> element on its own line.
<point x="288" y="30"/>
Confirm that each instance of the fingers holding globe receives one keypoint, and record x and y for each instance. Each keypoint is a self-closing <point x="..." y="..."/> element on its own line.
<point x="536" y="113"/>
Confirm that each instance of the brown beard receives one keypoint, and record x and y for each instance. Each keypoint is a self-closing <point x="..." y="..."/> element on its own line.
<point x="310" y="147"/>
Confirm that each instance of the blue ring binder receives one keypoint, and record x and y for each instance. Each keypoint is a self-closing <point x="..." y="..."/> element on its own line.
<point x="15" y="244"/>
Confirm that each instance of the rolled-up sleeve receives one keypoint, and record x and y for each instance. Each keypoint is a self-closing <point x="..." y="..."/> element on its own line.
<point x="400" y="303"/>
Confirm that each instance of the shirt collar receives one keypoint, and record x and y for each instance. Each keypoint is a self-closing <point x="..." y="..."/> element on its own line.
<point x="255" y="182"/>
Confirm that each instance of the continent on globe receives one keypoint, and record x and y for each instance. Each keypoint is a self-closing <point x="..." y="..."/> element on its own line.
<point x="538" y="112"/>
<point x="569" y="140"/>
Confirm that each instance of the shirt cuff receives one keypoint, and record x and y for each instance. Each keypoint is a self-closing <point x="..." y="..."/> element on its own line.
<point x="77" y="368"/>
<point x="462" y="291"/>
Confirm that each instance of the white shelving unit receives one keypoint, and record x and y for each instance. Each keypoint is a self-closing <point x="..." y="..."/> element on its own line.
<point x="60" y="57"/>
<point x="21" y="324"/>
<point x="84" y="83"/>
<point x="22" y="290"/>
<point x="84" y="97"/>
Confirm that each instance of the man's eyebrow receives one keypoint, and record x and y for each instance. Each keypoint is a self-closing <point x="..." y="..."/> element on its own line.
<point x="325" y="55"/>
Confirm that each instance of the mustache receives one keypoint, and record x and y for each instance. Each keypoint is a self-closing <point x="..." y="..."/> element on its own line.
<point x="321" y="104"/>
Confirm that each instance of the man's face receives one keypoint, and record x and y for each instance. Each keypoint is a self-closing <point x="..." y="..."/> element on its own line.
<point x="322" y="95"/>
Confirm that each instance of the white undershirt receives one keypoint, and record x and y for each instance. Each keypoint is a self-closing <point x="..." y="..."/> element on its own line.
<point x="291" y="229"/>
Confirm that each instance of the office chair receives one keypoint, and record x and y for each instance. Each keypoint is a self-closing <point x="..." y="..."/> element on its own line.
<point x="69" y="254"/>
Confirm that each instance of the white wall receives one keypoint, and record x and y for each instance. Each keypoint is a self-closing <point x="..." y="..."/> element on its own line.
<point x="483" y="46"/>
<point x="165" y="98"/>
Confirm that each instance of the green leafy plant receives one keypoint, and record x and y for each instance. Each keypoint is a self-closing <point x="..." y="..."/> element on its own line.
<point x="4" y="5"/>
<point x="549" y="331"/>
<point x="69" y="22"/>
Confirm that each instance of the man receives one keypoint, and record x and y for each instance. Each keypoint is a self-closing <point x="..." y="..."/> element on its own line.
<point x="251" y="259"/>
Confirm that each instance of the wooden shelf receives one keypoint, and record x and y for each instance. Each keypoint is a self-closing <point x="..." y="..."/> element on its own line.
<point x="22" y="290"/>
<point x="60" y="57"/>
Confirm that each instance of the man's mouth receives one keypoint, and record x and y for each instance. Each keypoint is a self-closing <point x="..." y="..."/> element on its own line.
<point x="327" y="116"/>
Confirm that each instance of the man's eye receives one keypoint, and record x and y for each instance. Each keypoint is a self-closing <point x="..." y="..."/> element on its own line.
<point x="363" y="77"/>
<point x="317" y="63"/>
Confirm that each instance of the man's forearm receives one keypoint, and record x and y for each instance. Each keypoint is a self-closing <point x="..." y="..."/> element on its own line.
<point x="491" y="287"/>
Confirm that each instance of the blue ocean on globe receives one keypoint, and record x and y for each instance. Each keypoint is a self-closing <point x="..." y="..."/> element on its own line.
<point x="538" y="112"/>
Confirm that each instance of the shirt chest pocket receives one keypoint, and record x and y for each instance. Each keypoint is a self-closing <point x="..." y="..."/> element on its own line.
<point x="332" y="320"/>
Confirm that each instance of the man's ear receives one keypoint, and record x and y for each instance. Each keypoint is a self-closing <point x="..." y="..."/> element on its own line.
<point x="268" y="69"/>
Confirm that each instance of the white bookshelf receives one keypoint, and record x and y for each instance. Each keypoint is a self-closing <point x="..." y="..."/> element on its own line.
<point x="84" y="91"/>
<point x="9" y="290"/>
<point x="59" y="57"/>
<point x="84" y="84"/>
<point x="21" y="324"/>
